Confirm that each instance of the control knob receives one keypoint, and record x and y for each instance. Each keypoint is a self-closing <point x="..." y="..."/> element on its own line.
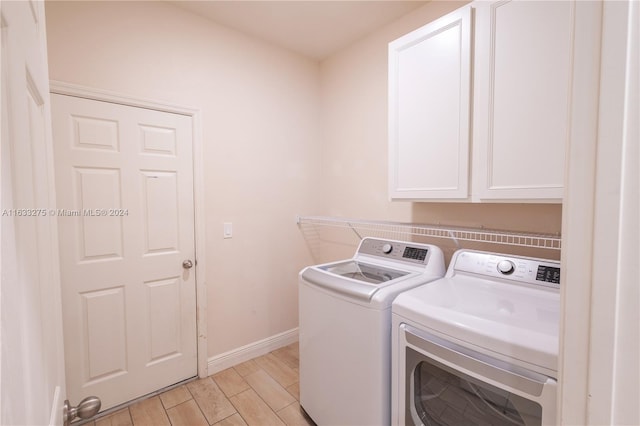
<point x="506" y="267"/>
<point x="387" y="248"/>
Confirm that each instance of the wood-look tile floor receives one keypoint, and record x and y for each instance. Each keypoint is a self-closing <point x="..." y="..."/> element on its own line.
<point x="263" y="392"/>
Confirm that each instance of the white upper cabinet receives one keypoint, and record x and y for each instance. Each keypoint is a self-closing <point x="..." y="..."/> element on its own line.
<point x="522" y="76"/>
<point x="429" y="94"/>
<point x="520" y="103"/>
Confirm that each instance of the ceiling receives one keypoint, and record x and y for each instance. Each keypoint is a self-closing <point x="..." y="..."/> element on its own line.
<point x="312" y="28"/>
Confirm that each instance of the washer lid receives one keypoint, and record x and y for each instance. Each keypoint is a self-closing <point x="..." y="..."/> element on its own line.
<point x="354" y="278"/>
<point x="364" y="272"/>
<point x="515" y="321"/>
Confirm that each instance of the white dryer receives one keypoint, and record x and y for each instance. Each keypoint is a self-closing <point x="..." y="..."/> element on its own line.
<point x="345" y="329"/>
<point x="479" y="346"/>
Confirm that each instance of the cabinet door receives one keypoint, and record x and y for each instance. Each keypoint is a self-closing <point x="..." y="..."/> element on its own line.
<point x="429" y="92"/>
<point x="522" y="75"/>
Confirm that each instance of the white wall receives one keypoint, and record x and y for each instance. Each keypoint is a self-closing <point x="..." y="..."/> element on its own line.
<point x="260" y="115"/>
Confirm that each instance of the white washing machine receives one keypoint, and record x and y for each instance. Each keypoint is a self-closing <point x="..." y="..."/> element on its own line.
<point x="479" y="346"/>
<point x="345" y="329"/>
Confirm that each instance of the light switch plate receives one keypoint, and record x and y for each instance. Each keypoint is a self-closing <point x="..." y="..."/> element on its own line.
<point x="227" y="230"/>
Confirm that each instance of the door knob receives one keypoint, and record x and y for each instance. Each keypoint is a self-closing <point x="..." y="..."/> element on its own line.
<point x="87" y="408"/>
<point x="187" y="264"/>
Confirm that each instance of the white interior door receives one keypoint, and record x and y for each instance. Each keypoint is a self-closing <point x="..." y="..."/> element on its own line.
<point x="124" y="179"/>
<point x="32" y="386"/>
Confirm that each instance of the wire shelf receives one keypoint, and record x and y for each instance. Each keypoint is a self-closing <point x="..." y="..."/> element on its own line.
<point x="360" y="227"/>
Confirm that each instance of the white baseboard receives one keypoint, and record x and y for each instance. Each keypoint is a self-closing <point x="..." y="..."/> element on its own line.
<point x="245" y="353"/>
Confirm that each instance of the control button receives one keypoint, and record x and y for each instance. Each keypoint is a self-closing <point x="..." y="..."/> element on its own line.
<point x="506" y="267"/>
<point x="386" y="249"/>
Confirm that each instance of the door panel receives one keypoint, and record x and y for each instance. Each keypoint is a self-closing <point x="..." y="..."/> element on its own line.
<point x="160" y="211"/>
<point x="103" y="316"/>
<point x="124" y="181"/>
<point x="100" y="237"/>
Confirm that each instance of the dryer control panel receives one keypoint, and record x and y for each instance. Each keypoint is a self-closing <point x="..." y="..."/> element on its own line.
<point x="395" y="250"/>
<point x="521" y="269"/>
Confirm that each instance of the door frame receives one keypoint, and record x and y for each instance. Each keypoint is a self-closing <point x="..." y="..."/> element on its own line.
<point x="599" y="267"/>
<point x="69" y="89"/>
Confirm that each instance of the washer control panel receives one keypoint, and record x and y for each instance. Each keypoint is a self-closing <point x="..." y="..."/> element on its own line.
<point x="521" y="269"/>
<point x="395" y="250"/>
